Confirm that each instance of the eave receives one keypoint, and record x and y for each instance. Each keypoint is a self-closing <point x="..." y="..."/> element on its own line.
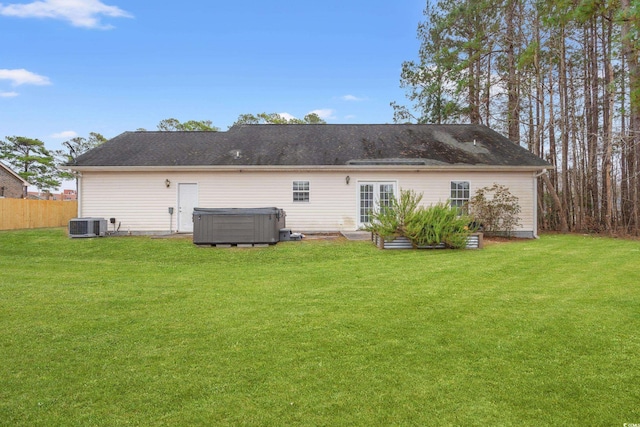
<point x="314" y="168"/>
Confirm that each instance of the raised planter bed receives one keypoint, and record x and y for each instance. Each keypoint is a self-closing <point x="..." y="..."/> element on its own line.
<point x="474" y="241"/>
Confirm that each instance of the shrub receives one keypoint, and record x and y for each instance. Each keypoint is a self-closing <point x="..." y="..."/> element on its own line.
<point x="498" y="214"/>
<point x="439" y="223"/>
<point x="424" y="226"/>
<point x="390" y="221"/>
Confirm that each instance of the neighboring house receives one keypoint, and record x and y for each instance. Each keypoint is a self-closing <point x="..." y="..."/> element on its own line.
<point x="325" y="177"/>
<point x="12" y="185"/>
<point x="65" y="195"/>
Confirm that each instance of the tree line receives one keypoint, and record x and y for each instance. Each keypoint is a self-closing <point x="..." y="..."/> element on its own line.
<point x="42" y="167"/>
<point x="561" y="78"/>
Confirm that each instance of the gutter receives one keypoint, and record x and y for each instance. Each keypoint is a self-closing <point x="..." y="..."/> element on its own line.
<point x="310" y="168"/>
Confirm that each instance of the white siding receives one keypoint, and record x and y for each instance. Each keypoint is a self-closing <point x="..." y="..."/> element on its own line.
<point x="140" y="200"/>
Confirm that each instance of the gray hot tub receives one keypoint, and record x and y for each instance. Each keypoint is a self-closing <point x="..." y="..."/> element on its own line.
<point x="213" y="226"/>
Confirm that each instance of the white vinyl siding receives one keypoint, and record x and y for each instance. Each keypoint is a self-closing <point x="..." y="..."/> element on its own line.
<point x="139" y="200"/>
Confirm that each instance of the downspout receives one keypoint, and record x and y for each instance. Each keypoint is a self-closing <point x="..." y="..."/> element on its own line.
<point x="79" y="193"/>
<point x="535" y="202"/>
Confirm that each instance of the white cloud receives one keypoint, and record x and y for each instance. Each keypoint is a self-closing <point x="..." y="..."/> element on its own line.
<point x="324" y="113"/>
<point x="286" y="116"/>
<point x="352" y="98"/>
<point x="23" y="77"/>
<point x="67" y="134"/>
<point x="8" y="94"/>
<point x="80" y="13"/>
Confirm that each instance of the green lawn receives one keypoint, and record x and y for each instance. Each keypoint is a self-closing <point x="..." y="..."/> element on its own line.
<point x="144" y="332"/>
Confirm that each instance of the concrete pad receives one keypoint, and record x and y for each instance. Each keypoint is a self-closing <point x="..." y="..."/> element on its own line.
<point x="357" y="235"/>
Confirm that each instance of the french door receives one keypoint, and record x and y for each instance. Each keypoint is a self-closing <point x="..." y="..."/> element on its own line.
<point x="371" y="196"/>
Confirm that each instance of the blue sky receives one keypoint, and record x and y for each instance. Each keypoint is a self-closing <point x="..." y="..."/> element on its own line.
<point x="70" y="67"/>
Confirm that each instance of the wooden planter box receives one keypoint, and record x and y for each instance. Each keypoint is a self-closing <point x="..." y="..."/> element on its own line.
<point x="473" y="242"/>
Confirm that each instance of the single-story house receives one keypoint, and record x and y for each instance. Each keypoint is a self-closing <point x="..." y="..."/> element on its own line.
<point x="326" y="177"/>
<point x="12" y="185"/>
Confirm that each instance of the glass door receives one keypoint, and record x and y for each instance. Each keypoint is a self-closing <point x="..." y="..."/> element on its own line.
<point x="371" y="196"/>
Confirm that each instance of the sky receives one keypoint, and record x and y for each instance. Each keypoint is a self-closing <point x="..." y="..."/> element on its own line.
<point x="71" y="67"/>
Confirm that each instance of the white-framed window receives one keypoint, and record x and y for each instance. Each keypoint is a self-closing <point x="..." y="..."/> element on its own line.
<point x="373" y="195"/>
<point x="459" y="194"/>
<point x="301" y="191"/>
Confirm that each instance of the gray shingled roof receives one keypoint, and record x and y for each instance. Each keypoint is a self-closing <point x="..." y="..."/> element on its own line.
<point x="314" y="145"/>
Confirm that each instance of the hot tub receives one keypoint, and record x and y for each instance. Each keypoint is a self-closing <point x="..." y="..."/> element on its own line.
<point x="214" y="226"/>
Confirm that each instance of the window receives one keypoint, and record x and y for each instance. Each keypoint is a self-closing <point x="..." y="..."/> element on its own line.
<point x="386" y="194"/>
<point x="459" y="194"/>
<point x="300" y="191"/>
<point x="366" y="203"/>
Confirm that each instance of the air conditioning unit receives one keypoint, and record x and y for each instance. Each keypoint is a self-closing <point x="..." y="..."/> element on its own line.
<point x="87" y="227"/>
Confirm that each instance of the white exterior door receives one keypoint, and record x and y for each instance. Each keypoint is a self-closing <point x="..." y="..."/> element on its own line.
<point x="372" y="195"/>
<point x="187" y="200"/>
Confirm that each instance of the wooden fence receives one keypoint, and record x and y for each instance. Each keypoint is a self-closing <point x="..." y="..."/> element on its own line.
<point x="21" y="213"/>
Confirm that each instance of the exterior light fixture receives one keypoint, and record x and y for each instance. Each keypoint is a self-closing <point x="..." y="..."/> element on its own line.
<point x="347" y="179"/>
<point x="167" y="183"/>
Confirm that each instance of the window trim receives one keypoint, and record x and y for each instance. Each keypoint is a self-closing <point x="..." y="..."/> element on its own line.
<point x="456" y="199"/>
<point x="301" y="194"/>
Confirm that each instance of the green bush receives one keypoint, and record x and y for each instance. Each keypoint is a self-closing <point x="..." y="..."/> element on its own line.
<point x="439" y="223"/>
<point x="496" y="209"/>
<point x="424" y="226"/>
<point x="390" y="221"/>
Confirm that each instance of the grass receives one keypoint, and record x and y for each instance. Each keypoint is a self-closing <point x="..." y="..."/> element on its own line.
<point x="139" y="331"/>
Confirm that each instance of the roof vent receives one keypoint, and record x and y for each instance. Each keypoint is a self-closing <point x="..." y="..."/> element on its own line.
<point x="368" y="162"/>
<point x="236" y="154"/>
